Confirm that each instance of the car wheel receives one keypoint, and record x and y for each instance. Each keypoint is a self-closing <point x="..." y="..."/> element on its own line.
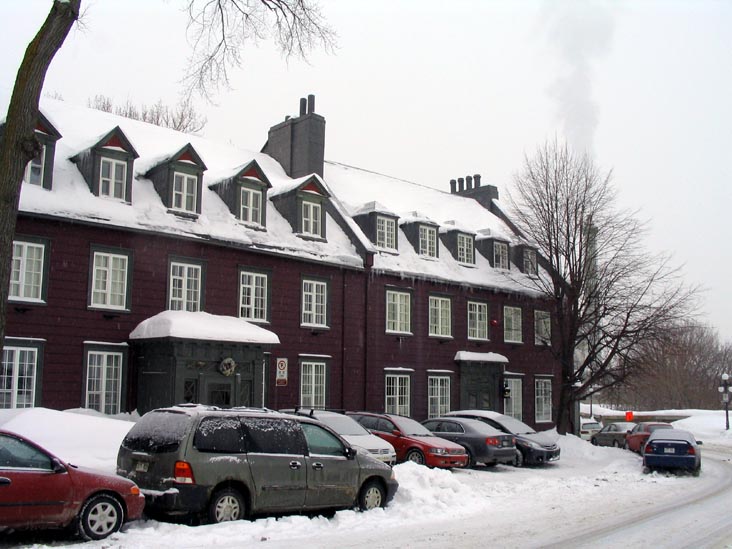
<point x="616" y="444"/>
<point x="226" y="505"/>
<point x="696" y="471"/>
<point x="100" y="516"/>
<point x="471" y="459"/>
<point x="371" y="496"/>
<point x="416" y="456"/>
<point x="518" y="461"/>
<point x="647" y="470"/>
<point x="593" y="440"/>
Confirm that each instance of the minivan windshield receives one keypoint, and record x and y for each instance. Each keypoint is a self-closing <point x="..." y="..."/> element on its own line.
<point x="157" y="432"/>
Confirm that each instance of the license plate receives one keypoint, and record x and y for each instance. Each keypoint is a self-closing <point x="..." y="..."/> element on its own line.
<point x="141" y="466"/>
<point x="669" y="450"/>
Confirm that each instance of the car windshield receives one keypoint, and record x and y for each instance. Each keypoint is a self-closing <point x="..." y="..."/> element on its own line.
<point x="410" y="427"/>
<point x="343" y="425"/>
<point x="514" y="426"/>
<point x="652" y="428"/>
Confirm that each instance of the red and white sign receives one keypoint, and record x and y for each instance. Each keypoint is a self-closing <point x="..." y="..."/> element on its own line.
<point x="281" y="376"/>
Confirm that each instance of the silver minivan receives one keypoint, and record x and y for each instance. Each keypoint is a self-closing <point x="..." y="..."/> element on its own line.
<point x="228" y="464"/>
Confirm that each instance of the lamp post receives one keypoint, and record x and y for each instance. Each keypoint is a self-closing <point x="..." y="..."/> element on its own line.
<point x="724" y="389"/>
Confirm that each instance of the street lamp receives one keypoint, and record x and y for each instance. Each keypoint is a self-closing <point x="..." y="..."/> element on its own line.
<point x="724" y="389"/>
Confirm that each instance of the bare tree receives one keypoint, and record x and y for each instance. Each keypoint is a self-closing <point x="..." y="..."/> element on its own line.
<point x="609" y="294"/>
<point x="183" y="117"/>
<point x="219" y="30"/>
<point x="297" y="27"/>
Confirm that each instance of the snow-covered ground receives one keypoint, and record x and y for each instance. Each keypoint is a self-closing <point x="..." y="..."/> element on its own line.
<point x="499" y="507"/>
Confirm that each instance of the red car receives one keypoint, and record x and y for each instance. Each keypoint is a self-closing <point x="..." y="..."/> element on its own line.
<point x="636" y="438"/>
<point x="38" y="490"/>
<point x="412" y="441"/>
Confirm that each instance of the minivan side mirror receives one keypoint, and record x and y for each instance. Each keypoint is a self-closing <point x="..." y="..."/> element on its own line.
<point x="350" y="453"/>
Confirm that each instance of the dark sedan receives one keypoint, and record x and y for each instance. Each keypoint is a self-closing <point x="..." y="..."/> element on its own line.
<point x="483" y="443"/>
<point x="612" y="434"/>
<point x="532" y="448"/>
<point x="672" y="449"/>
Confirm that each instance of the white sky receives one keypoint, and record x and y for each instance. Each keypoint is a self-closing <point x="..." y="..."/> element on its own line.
<point x="429" y="91"/>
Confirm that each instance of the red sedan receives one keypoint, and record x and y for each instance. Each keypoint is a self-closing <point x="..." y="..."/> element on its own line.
<point x="637" y="437"/>
<point x="412" y="441"/>
<point x="38" y="490"/>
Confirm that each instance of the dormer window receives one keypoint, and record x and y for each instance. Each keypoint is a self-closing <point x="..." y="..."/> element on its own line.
<point x="251" y="206"/>
<point x="244" y="191"/>
<point x="465" y="249"/>
<point x="500" y="255"/>
<point x="427" y="241"/>
<point x="185" y="192"/>
<point x="112" y="178"/>
<point x="530" y="262"/>
<point x="311" y="219"/>
<point x="386" y="232"/>
<point x="34" y="169"/>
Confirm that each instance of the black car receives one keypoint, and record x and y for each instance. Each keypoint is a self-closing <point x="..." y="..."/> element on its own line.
<point x="532" y="448"/>
<point x="483" y="443"/>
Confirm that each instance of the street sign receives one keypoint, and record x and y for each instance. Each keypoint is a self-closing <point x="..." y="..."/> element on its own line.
<point x="281" y="375"/>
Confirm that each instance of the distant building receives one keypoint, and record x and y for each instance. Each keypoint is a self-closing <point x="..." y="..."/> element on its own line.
<point x="152" y="267"/>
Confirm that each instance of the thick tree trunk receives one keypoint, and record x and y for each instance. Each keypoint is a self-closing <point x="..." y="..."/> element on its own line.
<point x="18" y="143"/>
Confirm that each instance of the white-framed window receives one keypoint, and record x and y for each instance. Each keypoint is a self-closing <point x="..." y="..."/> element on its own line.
<point x="112" y="178"/>
<point x="398" y="312"/>
<point x="33" y="174"/>
<point x="109" y="281"/>
<point x="311" y="219"/>
<point x="397" y="394"/>
<point x="477" y="320"/>
<point x="438" y="395"/>
<point x="386" y="232"/>
<point x="512" y="332"/>
<point x="253" y="296"/>
<point x="500" y="255"/>
<point x="314" y="303"/>
<point x="543" y="400"/>
<point x="465" y="248"/>
<point x="251" y="206"/>
<point x="312" y="384"/>
<point x="18" y="377"/>
<point x="185" y="192"/>
<point x="427" y="241"/>
<point x="542" y="328"/>
<point x="440" y="316"/>
<point x="26" y="271"/>
<point x="530" y="262"/>
<point x="185" y="287"/>
<point x="104" y="381"/>
<point x="513" y="405"/>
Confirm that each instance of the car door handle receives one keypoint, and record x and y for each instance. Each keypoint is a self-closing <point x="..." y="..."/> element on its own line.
<point x="295" y="465"/>
<point x="5" y="481"/>
<point x="318" y="466"/>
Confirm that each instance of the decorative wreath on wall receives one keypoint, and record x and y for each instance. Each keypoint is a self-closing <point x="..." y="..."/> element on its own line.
<point x="227" y="366"/>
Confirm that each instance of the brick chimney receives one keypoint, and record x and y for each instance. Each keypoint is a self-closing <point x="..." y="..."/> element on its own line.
<point x="470" y="186"/>
<point x="298" y="144"/>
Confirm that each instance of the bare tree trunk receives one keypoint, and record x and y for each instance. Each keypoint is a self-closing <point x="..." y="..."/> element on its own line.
<point x="19" y="144"/>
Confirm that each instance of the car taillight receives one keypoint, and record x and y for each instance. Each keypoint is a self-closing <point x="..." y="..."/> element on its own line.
<point x="183" y="473"/>
<point x="492" y="441"/>
<point x="691" y="451"/>
<point x="650" y="449"/>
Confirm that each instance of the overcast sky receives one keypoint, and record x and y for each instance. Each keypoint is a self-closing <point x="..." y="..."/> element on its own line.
<point x="433" y="90"/>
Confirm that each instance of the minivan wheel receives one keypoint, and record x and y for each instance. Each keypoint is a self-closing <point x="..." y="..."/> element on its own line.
<point x="100" y="516"/>
<point x="416" y="456"/>
<point x="371" y="496"/>
<point x="226" y="505"/>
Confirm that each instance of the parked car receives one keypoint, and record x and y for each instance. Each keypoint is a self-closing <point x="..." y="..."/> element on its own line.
<point x="483" y="443"/>
<point x="588" y="428"/>
<point x="39" y="490"/>
<point x="532" y="448"/>
<point x="613" y="434"/>
<point x="412" y="441"/>
<point x="672" y="449"/>
<point x="234" y="463"/>
<point x="637" y="436"/>
<point x="351" y="430"/>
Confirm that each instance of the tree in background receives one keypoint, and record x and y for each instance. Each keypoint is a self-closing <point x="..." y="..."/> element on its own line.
<point x="183" y="117"/>
<point x="680" y="371"/>
<point x="219" y="29"/>
<point x="609" y="294"/>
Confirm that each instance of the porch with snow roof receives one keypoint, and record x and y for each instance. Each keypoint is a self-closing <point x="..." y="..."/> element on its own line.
<point x="196" y="357"/>
<point x="481" y="380"/>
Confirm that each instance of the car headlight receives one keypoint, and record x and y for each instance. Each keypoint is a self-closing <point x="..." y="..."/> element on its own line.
<point x="534" y="445"/>
<point x="438" y="451"/>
